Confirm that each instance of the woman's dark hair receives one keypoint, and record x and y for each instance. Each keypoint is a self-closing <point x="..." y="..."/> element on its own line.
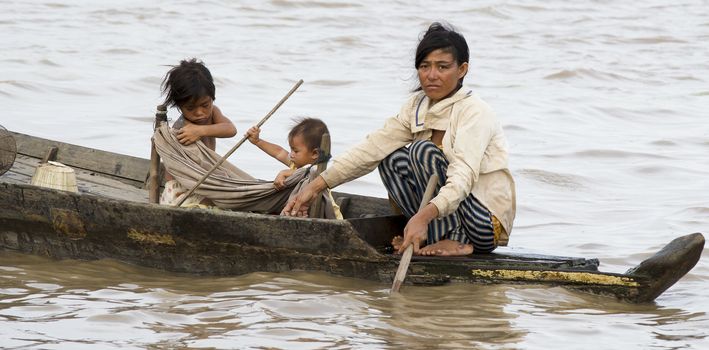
<point x="311" y="129"/>
<point x="442" y="37"/>
<point x="188" y="81"/>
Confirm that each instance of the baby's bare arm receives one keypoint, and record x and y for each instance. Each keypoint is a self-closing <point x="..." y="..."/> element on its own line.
<point x="271" y="149"/>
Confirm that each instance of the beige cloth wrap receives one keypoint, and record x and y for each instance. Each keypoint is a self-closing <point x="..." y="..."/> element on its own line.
<point x="229" y="187"/>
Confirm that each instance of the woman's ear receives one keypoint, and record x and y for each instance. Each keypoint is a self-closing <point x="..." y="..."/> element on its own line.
<point x="462" y="70"/>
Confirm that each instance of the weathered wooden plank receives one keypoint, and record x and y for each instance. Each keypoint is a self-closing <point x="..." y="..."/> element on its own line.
<point x="88" y="182"/>
<point x="108" y="163"/>
<point x="69" y="225"/>
<point x="362" y="206"/>
<point x="20" y="173"/>
<point x="121" y="222"/>
<point x="379" y="231"/>
<point x="152" y="223"/>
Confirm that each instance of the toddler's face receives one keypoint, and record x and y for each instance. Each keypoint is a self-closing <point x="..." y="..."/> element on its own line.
<point x="198" y="111"/>
<point x="299" y="153"/>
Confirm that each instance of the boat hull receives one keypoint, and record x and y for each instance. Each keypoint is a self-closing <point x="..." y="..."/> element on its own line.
<point x="110" y="218"/>
<point x="65" y="225"/>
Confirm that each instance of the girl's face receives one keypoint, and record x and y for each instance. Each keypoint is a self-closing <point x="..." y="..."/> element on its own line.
<point x="299" y="153"/>
<point x="439" y="74"/>
<point x="198" y="111"/>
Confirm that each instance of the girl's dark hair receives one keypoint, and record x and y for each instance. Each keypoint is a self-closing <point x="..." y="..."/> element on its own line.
<point x="188" y="81"/>
<point x="442" y="37"/>
<point x="311" y="129"/>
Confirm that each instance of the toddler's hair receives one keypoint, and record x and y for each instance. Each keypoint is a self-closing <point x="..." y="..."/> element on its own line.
<point x="311" y="129"/>
<point x="187" y="82"/>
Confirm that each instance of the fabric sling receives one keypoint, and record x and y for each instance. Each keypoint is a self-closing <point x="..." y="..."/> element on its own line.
<point x="229" y="187"/>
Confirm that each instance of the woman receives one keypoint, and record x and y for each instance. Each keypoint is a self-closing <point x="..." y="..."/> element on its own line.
<point x="442" y="129"/>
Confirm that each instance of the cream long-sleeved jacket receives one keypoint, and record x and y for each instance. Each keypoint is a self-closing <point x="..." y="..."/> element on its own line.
<point x="473" y="144"/>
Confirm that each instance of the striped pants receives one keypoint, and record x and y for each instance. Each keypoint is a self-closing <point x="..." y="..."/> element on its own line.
<point x="405" y="173"/>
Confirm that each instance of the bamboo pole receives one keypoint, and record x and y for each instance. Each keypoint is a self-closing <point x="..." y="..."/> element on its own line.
<point x="238" y="144"/>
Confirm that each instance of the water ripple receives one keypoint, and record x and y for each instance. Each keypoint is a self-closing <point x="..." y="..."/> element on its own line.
<point x="552" y="178"/>
<point x="585" y="73"/>
<point x="314" y="4"/>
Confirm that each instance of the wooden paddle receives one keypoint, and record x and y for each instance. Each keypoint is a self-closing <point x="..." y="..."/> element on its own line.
<point x="406" y="257"/>
<point x="243" y="139"/>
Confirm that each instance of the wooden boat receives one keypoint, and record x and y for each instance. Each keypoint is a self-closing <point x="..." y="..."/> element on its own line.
<point x="110" y="217"/>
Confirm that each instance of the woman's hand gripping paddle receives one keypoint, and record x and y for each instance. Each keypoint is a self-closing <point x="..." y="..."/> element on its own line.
<point x="406" y="257"/>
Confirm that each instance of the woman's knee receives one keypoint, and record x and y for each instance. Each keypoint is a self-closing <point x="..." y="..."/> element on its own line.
<point x="423" y="151"/>
<point x="397" y="156"/>
<point x="419" y="149"/>
<point x="426" y="155"/>
<point x="395" y="163"/>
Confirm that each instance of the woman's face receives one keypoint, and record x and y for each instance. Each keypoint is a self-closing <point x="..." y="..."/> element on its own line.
<point x="439" y="74"/>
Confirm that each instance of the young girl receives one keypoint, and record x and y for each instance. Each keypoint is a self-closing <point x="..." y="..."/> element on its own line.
<point x="189" y="86"/>
<point x="304" y="141"/>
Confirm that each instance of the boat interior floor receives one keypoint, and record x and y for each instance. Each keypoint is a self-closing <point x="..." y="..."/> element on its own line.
<point x="87" y="181"/>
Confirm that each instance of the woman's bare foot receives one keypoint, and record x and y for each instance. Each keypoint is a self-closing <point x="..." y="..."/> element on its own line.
<point x="396" y="242"/>
<point x="447" y="247"/>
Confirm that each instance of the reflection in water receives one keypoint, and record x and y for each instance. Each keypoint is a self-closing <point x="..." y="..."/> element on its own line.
<point x="567" y="317"/>
<point x="113" y="305"/>
<point x="67" y="302"/>
<point x="456" y="316"/>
